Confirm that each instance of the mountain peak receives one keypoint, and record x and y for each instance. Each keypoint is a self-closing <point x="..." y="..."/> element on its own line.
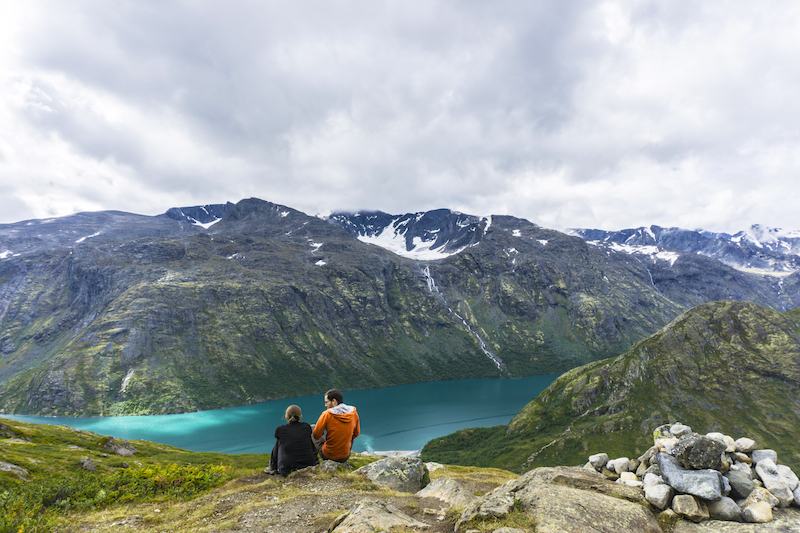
<point x="426" y="235"/>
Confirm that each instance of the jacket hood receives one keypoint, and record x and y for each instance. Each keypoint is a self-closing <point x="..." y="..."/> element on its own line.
<point x="342" y="409"/>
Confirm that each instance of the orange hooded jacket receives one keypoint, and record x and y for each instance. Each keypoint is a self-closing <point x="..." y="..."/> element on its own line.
<point x="342" y="426"/>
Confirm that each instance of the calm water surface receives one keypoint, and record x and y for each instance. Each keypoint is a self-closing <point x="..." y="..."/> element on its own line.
<point x="404" y="417"/>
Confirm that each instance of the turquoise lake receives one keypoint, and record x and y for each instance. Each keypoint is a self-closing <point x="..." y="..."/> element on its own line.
<point x="404" y="417"/>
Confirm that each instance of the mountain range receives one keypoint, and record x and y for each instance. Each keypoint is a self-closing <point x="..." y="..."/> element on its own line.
<point x="210" y="306"/>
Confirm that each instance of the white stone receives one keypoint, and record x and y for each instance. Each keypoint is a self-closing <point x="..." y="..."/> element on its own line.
<point x="730" y="444"/>
<point x="650" y="480"/>
<point x="774" y="482"/>
<point x="760" y="494"/>
<point x="666" y="444"/>
<point x="758" y="513"/>
<point x="790" y="477"/>
<point x="598" y="460"/>
<point x="619" y="465"/>
<point x="745" y="445"/>
<point x="659" y="495"/>
<point x="679" y="430"/>
<point x="743" y="467"/>
<point x="760" y="455"/>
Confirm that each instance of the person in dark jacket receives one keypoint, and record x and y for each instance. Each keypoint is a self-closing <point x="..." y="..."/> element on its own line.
<point x="293" y="448"/>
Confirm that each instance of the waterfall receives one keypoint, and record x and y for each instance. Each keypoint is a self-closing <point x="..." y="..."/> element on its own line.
<point x="434" y="289"/>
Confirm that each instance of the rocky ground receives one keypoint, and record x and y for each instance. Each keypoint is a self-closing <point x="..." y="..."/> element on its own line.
<point x="304" y="502"/>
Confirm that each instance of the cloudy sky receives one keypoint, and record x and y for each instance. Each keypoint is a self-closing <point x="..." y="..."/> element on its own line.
<point x="603" y="114"/>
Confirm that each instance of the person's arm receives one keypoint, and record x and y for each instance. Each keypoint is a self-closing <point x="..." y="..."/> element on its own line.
<point x="357" y="429"/>
<point x="319" y="427"/>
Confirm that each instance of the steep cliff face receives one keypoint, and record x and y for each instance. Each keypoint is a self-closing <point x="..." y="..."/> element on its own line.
<point x="113" y="313"/>
<point x="731" y="367"/>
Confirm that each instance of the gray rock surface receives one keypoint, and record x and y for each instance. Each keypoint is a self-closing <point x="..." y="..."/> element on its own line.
<point x="449" y="491"/>
<point x="698" y="453"/>
<point x="705" y="484"/>
<point x="87" y="464"/>
<point x="758" y="455"/>
<point x="690" y="507"/>
<point x="758" y="512"/>
<point x="774" y="482"/>
<point x="745" y="445"/>
<point x="18" y="471"/>
<point x="724" y="509"/>
<point x="371" y="516"/>
<point x="659" y="495"/>
<point x="783" y="521"/>
<point x="569" y="500"/>
<point x="598" y="460"/>
<point x="403" y="474"/>
<point x="741" y="484"/>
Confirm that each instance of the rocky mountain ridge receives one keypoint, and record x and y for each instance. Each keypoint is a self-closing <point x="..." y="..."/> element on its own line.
<point x="113" y="313"/>
<point x="769" y="251"/>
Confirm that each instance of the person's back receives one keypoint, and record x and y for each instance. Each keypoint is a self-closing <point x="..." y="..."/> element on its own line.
<point x="340" y="425"/>
<point x="294" y="448"/>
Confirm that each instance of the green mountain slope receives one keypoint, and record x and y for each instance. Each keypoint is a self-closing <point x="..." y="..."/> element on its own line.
<point x="731" y="367"/>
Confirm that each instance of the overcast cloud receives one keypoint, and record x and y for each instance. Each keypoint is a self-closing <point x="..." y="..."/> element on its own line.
<point x="607" y="115"/>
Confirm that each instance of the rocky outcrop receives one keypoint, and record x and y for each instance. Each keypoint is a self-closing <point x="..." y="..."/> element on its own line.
<point x="701" y="477"/>
<point x="119" y="447"/>
<point x="566" y="499"/>
<point x="403" y="474"/>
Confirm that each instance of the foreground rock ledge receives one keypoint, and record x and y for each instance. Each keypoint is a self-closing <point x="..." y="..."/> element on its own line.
<point x="567" y="499"/>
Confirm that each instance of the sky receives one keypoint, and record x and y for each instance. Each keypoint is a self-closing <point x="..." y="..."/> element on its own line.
<point x="577" y="114"/>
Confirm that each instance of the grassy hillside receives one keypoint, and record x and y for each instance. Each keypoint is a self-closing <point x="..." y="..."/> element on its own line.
<point x="43" y="488"/>
<point x="727" y="366"/>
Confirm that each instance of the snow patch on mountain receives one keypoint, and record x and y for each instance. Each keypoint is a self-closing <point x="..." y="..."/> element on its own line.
<point x="87" y="237"/>
<point x="652" y="251"/>
<point x="394" y="240"/>
<point x="424" y="236"/>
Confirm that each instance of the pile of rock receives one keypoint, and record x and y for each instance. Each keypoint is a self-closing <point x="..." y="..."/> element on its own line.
<point x="706" y="476"/>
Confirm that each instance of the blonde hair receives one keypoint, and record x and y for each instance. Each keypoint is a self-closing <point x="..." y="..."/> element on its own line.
<point x="293" y="414"/>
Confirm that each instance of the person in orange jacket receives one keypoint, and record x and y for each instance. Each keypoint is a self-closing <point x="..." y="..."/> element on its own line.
<point x="340" y="426"/>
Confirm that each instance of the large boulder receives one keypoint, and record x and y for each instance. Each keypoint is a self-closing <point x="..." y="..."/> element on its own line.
<point x="758" y="512"/>
<point x="690" y="507"/>
<point x="659" y="495"/>
<point x="123" y="448"/>
<point x="699" y="453"/>
<point x="774" y="482"/>
<point x="759" y="455"/>
<point x="403" y="474"/>
<point x="706" y="484"/>
<point x="741" y="483"/>
<point x="567" y="499"/>
<point x="449" y="491"/>
<point x="724" y="509"/>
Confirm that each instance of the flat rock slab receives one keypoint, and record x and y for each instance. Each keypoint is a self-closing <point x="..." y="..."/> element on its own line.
<point x="369" y="517"/>
<point x="568" y="500"/>
<point x="784" y="521"/>
<point x="561" y="509"/>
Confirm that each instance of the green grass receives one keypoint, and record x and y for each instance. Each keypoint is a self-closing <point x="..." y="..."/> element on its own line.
<point x="56" y="485"/>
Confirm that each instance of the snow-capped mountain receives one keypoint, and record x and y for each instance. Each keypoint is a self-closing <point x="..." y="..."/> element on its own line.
<point x="201" y="215"/>
<point x="426" y="235"/>
<point x="759" y="249"/>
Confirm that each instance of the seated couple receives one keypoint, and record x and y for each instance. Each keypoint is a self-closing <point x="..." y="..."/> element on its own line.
<point x="297" y="443"/>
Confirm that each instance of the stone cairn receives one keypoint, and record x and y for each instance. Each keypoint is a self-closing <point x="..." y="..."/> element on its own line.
<point x="706" y="476"/>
